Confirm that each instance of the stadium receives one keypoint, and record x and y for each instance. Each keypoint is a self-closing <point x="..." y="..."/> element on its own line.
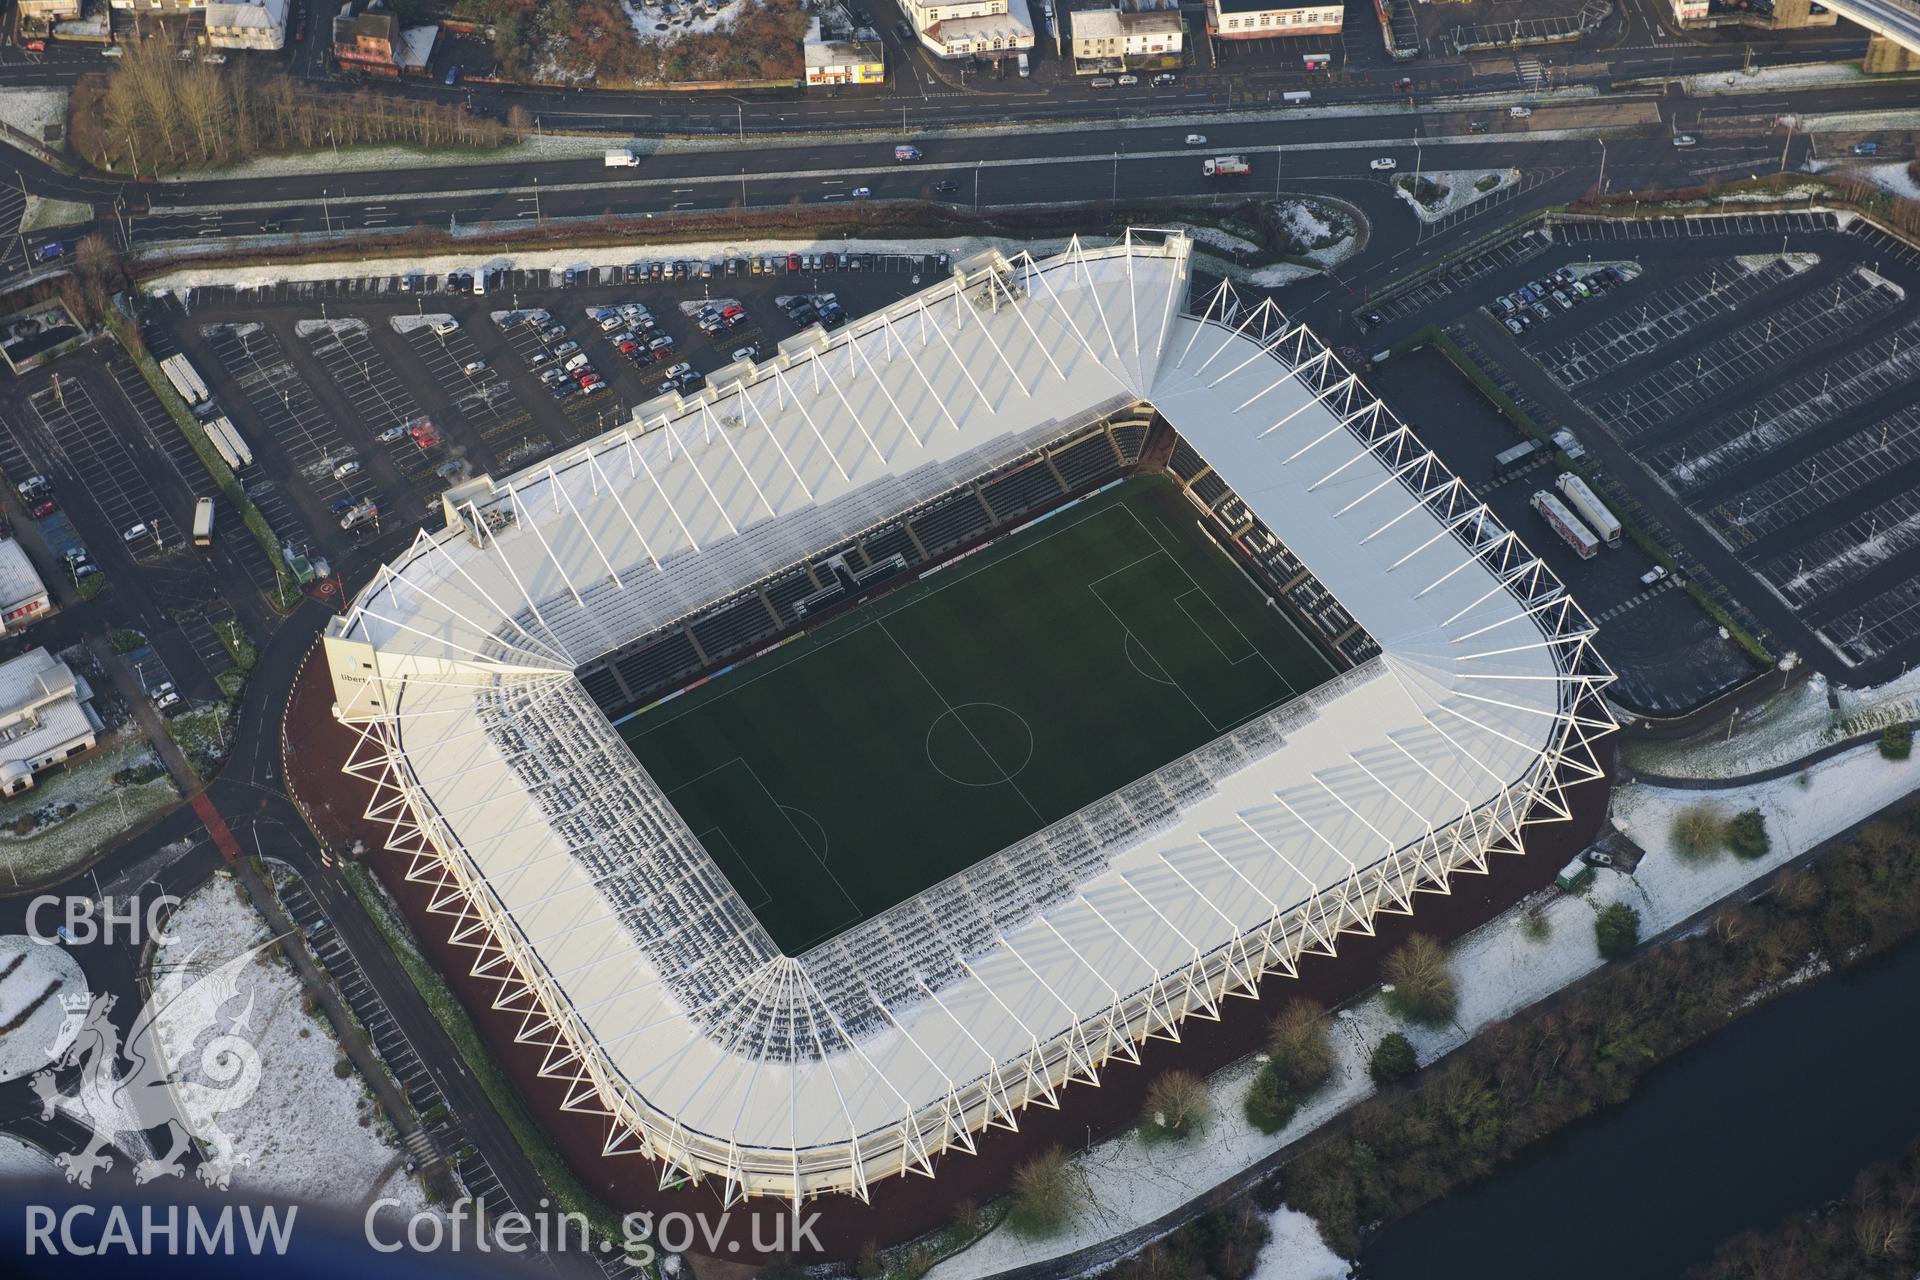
<point x="829" y="767"/>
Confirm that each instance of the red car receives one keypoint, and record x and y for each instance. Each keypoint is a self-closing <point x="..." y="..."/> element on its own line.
<point x="45" y="509"/>
<point x="628" y="347"/>
<point x="425" y="435"/>
<point x="35" y="46"/>
<point x="586" y="375"/>
<point x="662" y="353"/>
<point x="793" y="264"/>
<point x="732" y="311"/>
<point x="828" y="262"/>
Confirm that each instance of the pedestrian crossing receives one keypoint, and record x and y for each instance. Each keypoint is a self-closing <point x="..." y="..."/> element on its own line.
<point x="1633" y="602"/>
<point x="1531" y="73"/>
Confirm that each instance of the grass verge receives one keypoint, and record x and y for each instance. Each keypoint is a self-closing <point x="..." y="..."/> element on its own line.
<point x="571" y="1194"/>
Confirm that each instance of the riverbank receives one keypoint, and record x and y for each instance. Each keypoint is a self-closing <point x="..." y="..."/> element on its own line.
<point x="1524" y="957"/>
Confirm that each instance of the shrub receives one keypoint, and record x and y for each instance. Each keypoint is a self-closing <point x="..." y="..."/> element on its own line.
<point x="1393" y="1060"/>
<point x="1044" y="1191"/>
<point x="1538" y="927"/>
<point x="1300" y="1061"/>
<point x="1699" y="831"/>
<point x="1616" y="930"/>
<point x="1423" y="990"/>
<point x="1298" y="1042"/>
<point x="1896" y="742"/>
<point x="1177" y="1104"/>
<point x="1747" y="835"/>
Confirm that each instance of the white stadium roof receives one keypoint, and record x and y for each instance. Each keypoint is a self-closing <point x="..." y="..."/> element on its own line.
<point x="624" y="950"/>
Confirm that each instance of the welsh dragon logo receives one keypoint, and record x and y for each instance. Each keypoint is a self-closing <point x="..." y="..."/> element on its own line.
<point x="128" y="1087"/>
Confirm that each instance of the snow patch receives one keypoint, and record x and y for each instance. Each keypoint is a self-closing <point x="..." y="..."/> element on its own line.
<point x="1787" y="727"/>
<point x="347" y="324"/>
<point x="33" y="111"/>
<point x="1458" y="189"/>
<point x="1756" y="79"/>
<point x="21" y="1161"/>
<point x="182" y="281"/>
<point x="1295" y="1251"/>
<point x="407" y="324"/>
<point x="38" y="976"/>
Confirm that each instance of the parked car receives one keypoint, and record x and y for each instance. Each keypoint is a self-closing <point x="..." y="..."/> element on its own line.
<point x="392" y="434"/>
<point x="350" y="467"/>
<point x="1519" y="113"/>
<point x="134" y="533"/>
<point x="425" y="434"/>
<point x="45" y="508"/>
<point x="474" y="366"/>
<point x="445" y="327"/>
<point x="1164" y="79"/>
<point x="1128" y="81"/>
<point x="566" y="348"/>
<point x="1866" y="148"/>
<point x="1653" y="575"/>
<point x="576" y="361"/>
<point x="34" y="487"/>
<point x="748" y="352"/>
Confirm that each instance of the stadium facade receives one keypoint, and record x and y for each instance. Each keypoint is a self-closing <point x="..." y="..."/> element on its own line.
<point x="480" y="666"/>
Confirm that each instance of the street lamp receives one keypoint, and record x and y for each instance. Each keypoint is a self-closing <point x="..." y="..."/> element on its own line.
<point x="976" y="184"/>
<point x="1602" y="184"/>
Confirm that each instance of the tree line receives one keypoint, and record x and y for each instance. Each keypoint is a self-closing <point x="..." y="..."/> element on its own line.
<point x="1520" y="1080"/>
<point x="155" y="114"/>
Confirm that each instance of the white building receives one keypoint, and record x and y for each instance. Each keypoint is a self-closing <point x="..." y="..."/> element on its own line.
<point x="44" y="717"/>
<point x="972" y="28"/>
<point x="23" y="597"/>
<point x="837" y="60"/>
<point x="1116" y="39"/>
<point x="247" y="24"/>
<point x="1256" y="19"/>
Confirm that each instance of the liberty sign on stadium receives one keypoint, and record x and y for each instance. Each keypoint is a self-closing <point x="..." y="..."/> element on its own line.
<point x="832" y="765"/>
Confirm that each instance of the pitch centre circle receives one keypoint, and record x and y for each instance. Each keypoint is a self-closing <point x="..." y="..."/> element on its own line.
<point x="979" y="744"/>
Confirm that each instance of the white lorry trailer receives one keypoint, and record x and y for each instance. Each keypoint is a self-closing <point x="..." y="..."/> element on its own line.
<point x="1587" y="505"/>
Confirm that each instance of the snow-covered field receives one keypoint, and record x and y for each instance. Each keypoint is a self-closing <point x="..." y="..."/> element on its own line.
<point x="31" y="111"/>
<point x="34" y="978"/>
<point x="1458" y="190"/>
<point x="102" y="809"/>
<point x="306" y="1132"/>
<point x="1214" y="238"/>
<point x="1785" y="728"/>
<point x="1499" y="970"/>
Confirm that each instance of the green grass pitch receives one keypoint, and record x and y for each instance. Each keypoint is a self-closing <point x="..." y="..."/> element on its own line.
<point x="907" y="740"/>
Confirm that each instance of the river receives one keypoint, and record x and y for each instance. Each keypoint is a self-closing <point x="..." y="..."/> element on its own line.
<point x="1772" y="1115"/>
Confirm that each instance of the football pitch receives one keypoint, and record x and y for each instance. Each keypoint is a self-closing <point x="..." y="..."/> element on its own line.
<point x="907" y="740"/>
